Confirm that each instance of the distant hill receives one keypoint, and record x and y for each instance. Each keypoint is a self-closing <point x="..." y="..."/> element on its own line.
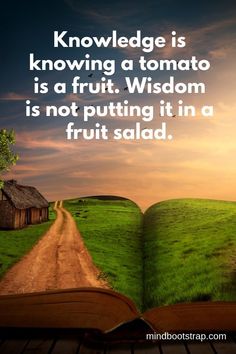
<point x="107" y="197"/>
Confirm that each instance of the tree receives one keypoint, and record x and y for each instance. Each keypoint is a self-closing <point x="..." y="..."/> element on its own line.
<point x="7" y="156"/>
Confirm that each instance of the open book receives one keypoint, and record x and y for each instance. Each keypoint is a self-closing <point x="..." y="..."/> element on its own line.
<point x="111" y="314"/>
<point x="169" y="269"/>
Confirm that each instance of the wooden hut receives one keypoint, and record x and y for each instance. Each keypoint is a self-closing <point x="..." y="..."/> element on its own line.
<point x="21" y="206"/>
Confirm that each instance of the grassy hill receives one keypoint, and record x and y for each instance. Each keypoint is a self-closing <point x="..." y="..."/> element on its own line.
<point x="189" y="251"/>
<point x="112" y="229"/>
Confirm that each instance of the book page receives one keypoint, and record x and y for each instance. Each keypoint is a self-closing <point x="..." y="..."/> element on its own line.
<point x="189" y="252"/>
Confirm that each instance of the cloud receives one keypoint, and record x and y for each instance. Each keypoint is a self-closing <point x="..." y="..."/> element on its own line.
<point x="13" y="96"/>
<point x="110" y="14"/>
<point x="214" y="40"/>
<point x="219" y="53"/>
<point x="144" y="171"/>
<point x="42" y="139"/>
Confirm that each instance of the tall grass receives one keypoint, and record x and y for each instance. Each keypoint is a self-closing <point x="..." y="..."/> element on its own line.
<point x="189" y="252"/>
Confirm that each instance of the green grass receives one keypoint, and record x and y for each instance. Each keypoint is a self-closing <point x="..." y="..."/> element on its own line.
<point x="188" y="247"/>
<point x="112" y="231"/>
<point x="189" y="252"/>
<point x="16" y="243"/>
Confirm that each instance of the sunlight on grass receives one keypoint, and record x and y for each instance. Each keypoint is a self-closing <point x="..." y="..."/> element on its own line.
<point x="112" y="231"/>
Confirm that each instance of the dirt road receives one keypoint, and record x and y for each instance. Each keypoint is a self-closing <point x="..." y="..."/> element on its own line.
<point x="58" y="261"/>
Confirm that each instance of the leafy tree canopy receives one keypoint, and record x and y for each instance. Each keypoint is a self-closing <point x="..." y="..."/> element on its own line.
<point x="7" y="156"/>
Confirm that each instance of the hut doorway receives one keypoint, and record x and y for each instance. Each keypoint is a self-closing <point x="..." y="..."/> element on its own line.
<point x="28" y="216"/>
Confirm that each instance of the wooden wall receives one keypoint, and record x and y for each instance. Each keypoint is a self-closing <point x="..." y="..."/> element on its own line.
<point x="6" y="215"/>
<point x="12" y="218"/>
<point x="44" y="214"/>
<point x="38" y="215"/>
<point x="19" y="218"/>
<point x="34" y="215"/>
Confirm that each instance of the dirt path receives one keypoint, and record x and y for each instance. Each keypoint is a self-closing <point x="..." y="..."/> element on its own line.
<point x="59" y="260"/>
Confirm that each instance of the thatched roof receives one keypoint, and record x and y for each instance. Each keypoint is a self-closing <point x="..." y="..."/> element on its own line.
<point x="23" y="197"/>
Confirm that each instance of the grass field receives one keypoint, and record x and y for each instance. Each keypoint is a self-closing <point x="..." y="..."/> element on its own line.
<point x="16" y="243"/>
<point x="180" y="251"/>
<point x="189" y="252"/>
<point x="112" y="231"/>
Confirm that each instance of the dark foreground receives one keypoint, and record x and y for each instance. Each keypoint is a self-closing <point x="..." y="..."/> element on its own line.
<point x="14" y="342"/>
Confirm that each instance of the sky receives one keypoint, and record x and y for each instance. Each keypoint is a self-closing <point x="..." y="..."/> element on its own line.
<point x="200" y="160"/>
